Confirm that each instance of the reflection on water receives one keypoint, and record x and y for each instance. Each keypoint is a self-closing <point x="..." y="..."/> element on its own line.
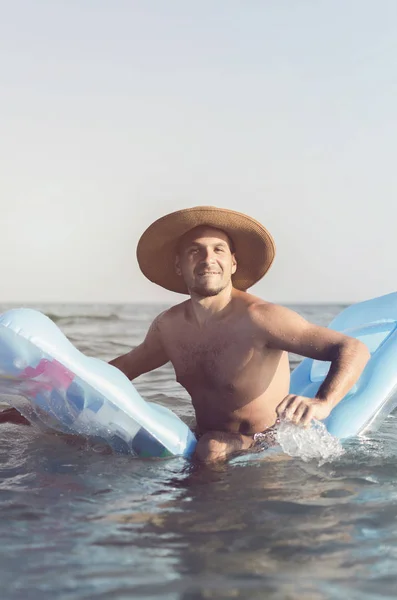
<point x="80" y="523"/>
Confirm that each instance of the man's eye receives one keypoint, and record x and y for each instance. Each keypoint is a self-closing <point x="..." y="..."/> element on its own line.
<point x="219" y="249"/>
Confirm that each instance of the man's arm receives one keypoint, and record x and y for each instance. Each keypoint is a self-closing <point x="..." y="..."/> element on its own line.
<point x="146" y="357"/>
<point x="284" y="329"/>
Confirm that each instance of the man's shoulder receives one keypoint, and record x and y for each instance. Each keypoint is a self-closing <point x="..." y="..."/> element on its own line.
<point x="253" y="304"/>
<point x="261" y="312"/>
<point x="170" y="315"/>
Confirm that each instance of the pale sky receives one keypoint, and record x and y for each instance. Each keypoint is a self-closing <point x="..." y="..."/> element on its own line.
<point x="115" y="112"/>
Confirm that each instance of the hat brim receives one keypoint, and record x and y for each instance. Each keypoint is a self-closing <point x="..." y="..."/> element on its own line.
<point x="254" y="246"/>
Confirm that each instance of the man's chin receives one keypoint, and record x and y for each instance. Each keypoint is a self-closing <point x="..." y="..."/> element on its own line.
<point x="206" y="292"/>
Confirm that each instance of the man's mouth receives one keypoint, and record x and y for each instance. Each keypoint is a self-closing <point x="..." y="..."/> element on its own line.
<point x="205" y="273"/>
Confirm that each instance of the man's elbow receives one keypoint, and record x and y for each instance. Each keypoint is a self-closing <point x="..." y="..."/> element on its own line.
<point x="359" y="350"/>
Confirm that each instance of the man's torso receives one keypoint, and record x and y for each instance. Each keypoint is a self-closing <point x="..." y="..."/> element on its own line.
<point x="235" y="381"/>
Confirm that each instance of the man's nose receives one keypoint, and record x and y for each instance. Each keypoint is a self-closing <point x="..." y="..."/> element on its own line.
<point x="207" y="255"/>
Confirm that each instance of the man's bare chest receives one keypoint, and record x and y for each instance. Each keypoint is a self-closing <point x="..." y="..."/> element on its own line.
<point x="213" y="358"/>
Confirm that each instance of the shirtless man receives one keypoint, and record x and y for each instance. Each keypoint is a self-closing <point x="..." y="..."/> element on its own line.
<point x="229" y="348"/>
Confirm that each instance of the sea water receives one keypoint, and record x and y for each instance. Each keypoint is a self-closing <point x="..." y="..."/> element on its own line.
<point x="80" y="523"/>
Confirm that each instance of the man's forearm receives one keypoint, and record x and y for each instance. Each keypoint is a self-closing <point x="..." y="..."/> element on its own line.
<point x="346" y="368"/>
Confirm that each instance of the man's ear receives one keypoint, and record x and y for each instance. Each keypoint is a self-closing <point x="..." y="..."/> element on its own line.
<point x="177" y="266"/>
<point x="234" y="264"/>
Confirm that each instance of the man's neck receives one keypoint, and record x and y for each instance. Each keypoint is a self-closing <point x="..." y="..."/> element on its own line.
<point x="204" y="310"/>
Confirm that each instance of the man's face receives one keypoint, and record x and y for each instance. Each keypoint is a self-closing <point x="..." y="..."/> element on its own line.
<point x="205" y="261"/>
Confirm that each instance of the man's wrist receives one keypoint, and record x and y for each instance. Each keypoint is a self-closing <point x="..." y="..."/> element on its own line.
<point x="326" y="400"/>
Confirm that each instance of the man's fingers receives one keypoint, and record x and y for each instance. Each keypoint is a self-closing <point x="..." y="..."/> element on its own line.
<point x="293" y="405"/>
<point x="297" y="409"/>
<point x="308" y="416"/>
<point x="299" y="413"/>
<point x="281" y="408"/>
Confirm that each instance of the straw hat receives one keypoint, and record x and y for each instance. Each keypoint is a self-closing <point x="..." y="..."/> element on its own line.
<point x="157" y="247"/>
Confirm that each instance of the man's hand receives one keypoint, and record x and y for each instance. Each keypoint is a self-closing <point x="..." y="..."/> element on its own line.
<point x="302" y="410"/>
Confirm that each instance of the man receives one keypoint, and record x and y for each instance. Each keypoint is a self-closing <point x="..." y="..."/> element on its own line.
<point x="229" y="348"/>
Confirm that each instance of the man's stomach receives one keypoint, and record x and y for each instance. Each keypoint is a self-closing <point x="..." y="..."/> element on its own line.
<point x="217" y="414"/>
<point x="245" y="403"/>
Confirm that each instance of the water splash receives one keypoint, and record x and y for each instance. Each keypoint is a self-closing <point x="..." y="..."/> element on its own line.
<point x="314" y="443"/>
